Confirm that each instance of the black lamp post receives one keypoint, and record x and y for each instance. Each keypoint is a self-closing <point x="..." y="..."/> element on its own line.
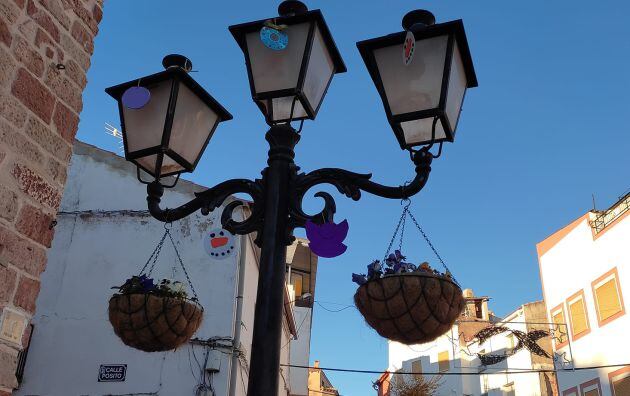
<point x="291" y="60"/>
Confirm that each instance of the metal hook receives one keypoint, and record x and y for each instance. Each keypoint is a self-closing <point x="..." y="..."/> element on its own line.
<point x="406" y="202"/>
<point x="167" y="224"/>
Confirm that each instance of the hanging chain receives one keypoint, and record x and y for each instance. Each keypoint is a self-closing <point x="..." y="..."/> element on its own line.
<point x="156" y="252"/>
<point x="402" y="227"/>
<point x="154" y="255"/>
<point x="181" y="263"/>
<point x="426" y="238"/>
<point x="391" y="242"/>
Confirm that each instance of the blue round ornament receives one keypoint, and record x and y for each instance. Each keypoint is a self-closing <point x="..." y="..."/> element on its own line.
<point x="274" y="39"/>
<point x="136" y="97"/>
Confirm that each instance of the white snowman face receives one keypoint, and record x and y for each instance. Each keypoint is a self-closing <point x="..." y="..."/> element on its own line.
<point x="219" y="243"/>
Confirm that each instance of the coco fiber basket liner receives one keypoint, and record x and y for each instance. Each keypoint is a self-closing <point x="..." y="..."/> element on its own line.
<point x="153" y="323"/>
<point x="411" y="308"/>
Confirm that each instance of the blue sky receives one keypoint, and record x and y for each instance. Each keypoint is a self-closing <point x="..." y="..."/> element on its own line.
<point x="544" y="131"/>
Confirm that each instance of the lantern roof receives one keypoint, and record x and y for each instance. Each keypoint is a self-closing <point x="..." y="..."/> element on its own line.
<point x="173" y="72"/>
<point x="456" y="27"/>
<point x="241" y="30"/>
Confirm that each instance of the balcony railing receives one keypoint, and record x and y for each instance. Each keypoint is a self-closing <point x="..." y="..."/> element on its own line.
<point x="607" y="217"/>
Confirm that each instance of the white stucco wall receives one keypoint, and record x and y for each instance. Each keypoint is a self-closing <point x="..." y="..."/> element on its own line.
<point x="463" y="359"/>
<point x="300" y="351"/>
<point x="571" y="265"/>
<point x="401" y="357"/>
<point x="505" y="373"/>
<point x="92" y="253"/>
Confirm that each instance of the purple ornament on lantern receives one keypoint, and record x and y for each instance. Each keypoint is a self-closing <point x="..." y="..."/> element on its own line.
<point x="136" y="97"/>
<point x="325" y="240"/>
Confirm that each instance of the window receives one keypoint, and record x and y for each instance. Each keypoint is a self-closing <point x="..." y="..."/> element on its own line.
<point x="508" y="389"/>
<point x="416" y="368"/>
<point x="608" y="299"/>
<point x="301" y="281"/>
<point x="479" y="309"/>
<point x="571" y="392"/>
<point x="561" y="336"/>
<point x="577" y="315"/>
<point x="443" y="362"/>
<point x="591" y="388"/>
<point x="620" y="381"/>
<point x="510" y="342"/>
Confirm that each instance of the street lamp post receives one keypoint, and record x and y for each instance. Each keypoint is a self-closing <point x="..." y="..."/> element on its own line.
<point x="289" y="77"/>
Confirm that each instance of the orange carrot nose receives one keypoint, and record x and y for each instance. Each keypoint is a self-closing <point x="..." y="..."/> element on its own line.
<point x="218" y="242"/>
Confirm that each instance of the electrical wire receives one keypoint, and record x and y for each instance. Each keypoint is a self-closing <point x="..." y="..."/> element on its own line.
<point x="334" y="310"/>
<point x="519" y="371"/>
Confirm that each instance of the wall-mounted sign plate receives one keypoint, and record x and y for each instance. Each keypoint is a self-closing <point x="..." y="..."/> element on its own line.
<point x="112" y="373"/>
<point x="13" y="324"/>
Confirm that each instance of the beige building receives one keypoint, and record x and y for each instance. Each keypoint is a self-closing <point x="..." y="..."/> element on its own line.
<point x="318" y="382"/>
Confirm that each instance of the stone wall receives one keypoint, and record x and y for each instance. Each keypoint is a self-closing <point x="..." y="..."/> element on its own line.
<point x="45" y="50"/>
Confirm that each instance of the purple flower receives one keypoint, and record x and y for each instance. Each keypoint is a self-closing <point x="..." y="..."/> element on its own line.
<point x="146" y="283"/>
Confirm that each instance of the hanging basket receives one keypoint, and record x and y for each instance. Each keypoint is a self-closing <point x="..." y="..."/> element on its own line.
<point x="155" y="317"/>
<point x="154" y="323"/>
<point x="412" y="307"/>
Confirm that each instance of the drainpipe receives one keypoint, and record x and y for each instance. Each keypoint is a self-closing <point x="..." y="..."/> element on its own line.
<point x="236" y="339"/>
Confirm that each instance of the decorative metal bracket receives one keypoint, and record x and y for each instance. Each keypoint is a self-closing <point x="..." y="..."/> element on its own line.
<point x="350" y="184"/>
<point x="282" y="140"/>
<point x="211" y="199"/>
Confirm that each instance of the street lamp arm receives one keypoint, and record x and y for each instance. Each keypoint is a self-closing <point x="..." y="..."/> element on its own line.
<point x="210" y="199"/>
<point x="350" y="184"/>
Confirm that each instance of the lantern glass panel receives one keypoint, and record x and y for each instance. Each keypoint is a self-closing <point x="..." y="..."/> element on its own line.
<point x="169" y="166"/>
<point x="273" y="70"/>
<point x="417" y="86"/>
<point x="144" y="126"/>
<point x="421" y="130"/>
<point x="456" y="89"/>
<point x="282" y="108"/>
<point x="193" y="123"/>
<point x="320" y="71"/>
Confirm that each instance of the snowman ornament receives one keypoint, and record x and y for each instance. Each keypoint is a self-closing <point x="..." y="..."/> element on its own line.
<point x="219" y="243"/>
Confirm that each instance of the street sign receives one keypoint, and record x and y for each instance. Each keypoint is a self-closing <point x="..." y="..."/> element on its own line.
<point x="112" y="373"/>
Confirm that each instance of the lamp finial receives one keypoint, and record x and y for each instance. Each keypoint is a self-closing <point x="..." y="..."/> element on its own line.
<point x="418" y="17"/>
<point x="291" y="7"/>
<point x="176" y="60"/>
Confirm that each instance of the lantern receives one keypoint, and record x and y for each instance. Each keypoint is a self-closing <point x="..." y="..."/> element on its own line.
<point x="290" y="61"/>
<point x="422" y="76"/>
<point x="167" y="119"/>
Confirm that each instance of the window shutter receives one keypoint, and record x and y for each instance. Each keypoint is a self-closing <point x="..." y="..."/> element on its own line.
<point x="579" y="322"/>
<point x="621" y="387"/>
<point x="443" y="361"/>
<point x="608" y="303"/>
<point x="558" y="318"/>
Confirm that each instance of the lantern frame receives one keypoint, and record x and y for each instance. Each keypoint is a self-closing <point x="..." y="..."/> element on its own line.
<point x="315" y="18"/>
<point x="177" y="75"/>
<point x="455" y="32"/>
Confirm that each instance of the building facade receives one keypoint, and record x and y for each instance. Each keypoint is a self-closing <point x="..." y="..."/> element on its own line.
<point x="45" y="51"/>
<point x="318" y="382"/>
<point x="585" y="275"/>
<point x="455" y="356"/>
<point x="103" y="235"/>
